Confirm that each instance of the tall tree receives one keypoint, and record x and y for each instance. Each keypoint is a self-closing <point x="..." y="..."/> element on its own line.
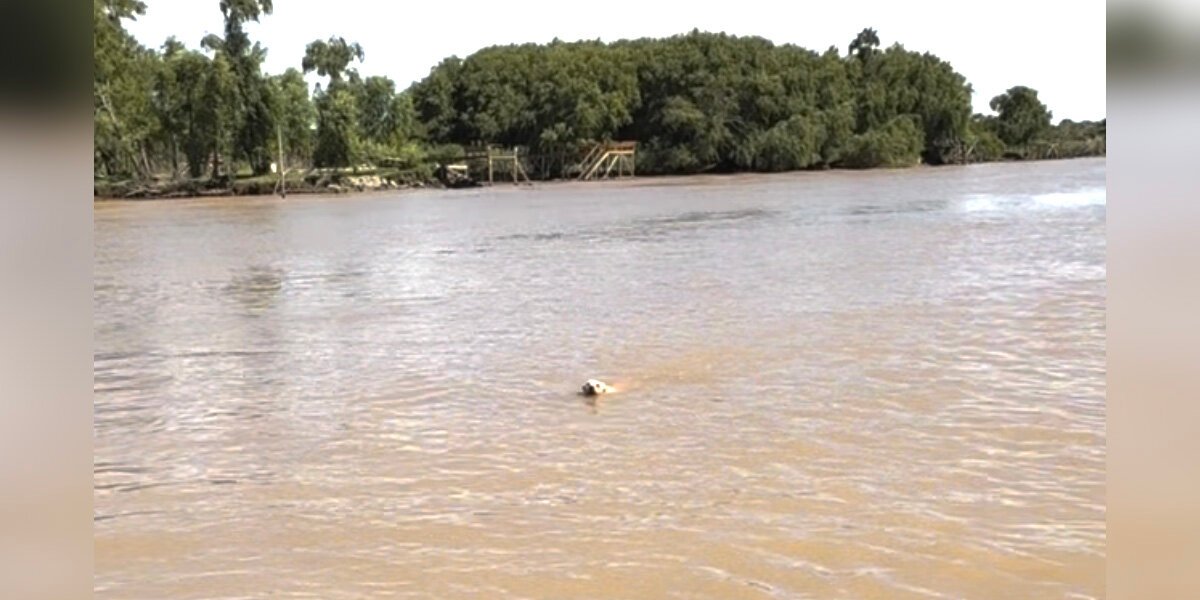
<point x="433" y="100"/>
<point x="176" y="86"/>
<point x="337" y="122"/>
<point x="218" y="114"/>
<point x="331" y="58"/>
<point x="295" y="114"/>
<point x="338" y="140"/>
<point x="381" y="115"/>
<point x="237" y="13"/>
<point x="123" y="120"/>
<point x="253" y="119"/>
<point x="1022" y="117"/>
<point x="865" y="44"/>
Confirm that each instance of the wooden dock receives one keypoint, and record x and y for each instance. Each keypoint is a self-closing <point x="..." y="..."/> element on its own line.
<point x="600" y="161"/>
<point x="508" y="160"/>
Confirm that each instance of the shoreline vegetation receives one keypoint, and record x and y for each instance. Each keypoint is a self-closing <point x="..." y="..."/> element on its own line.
<point x="179" y="122"/>
<point x="367" y="181"/>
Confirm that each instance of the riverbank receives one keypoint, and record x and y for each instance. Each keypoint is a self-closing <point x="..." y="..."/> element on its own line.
<point x="312" y="182"/>
<point x="333" y="184"/>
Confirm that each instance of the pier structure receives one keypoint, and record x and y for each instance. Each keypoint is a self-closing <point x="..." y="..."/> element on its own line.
<point x="507" y="160"/>
<point x="600" y="161"/>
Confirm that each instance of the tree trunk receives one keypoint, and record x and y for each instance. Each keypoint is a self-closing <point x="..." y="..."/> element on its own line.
<point x="116" y="126"/>
<point x="147" y="170"/>
<point x="111" y="169"/>
<point x="174" y="157"/>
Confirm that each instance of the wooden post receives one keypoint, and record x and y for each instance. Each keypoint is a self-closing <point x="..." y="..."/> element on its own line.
<point x="489" y="159"/>
<point x="282" y="168"/>
<point x="611" y="163"/>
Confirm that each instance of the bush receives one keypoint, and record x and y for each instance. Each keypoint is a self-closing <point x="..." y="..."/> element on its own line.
<point x="656" y="158"/>
<point x="897" y="144"/>
<point x="985" y="145"/>
<point x="789" y="145"/>
<point x="444" y="153"/>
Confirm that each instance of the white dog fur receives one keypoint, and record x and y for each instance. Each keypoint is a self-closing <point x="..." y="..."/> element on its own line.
<point x="595" y="387"/>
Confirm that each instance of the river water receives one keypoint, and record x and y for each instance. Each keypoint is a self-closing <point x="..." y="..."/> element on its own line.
<point x="886" y="384"/>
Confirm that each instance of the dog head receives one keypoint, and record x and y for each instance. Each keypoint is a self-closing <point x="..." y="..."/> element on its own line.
<point x="595" y="387"/>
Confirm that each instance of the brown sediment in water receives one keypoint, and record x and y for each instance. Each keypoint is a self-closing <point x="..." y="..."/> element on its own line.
<point x="868" y="385"/>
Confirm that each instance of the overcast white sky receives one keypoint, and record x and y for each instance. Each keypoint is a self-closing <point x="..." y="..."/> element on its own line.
<point x="1055" y="46"/>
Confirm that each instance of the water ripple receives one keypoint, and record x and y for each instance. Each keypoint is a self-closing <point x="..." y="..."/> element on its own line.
<point x="833" y="385"/>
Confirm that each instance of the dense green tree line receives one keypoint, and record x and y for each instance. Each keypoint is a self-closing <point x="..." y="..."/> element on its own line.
<point x="1022" y="129"/>
<point x="701" y="102"/>
<point x="695" y="102"/>
<point x="212" y="112"/>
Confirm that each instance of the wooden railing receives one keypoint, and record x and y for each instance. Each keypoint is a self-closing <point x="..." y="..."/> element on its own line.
<point x="607" y="155"/>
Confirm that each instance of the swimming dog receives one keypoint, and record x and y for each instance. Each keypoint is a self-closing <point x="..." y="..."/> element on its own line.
<point x="595" y="387"/>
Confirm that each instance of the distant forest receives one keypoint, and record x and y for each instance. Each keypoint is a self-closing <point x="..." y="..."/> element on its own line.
<point x="697" y="102"/>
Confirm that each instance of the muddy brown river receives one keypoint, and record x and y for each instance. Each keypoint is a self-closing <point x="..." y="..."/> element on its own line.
<point x="886" y="384"/>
